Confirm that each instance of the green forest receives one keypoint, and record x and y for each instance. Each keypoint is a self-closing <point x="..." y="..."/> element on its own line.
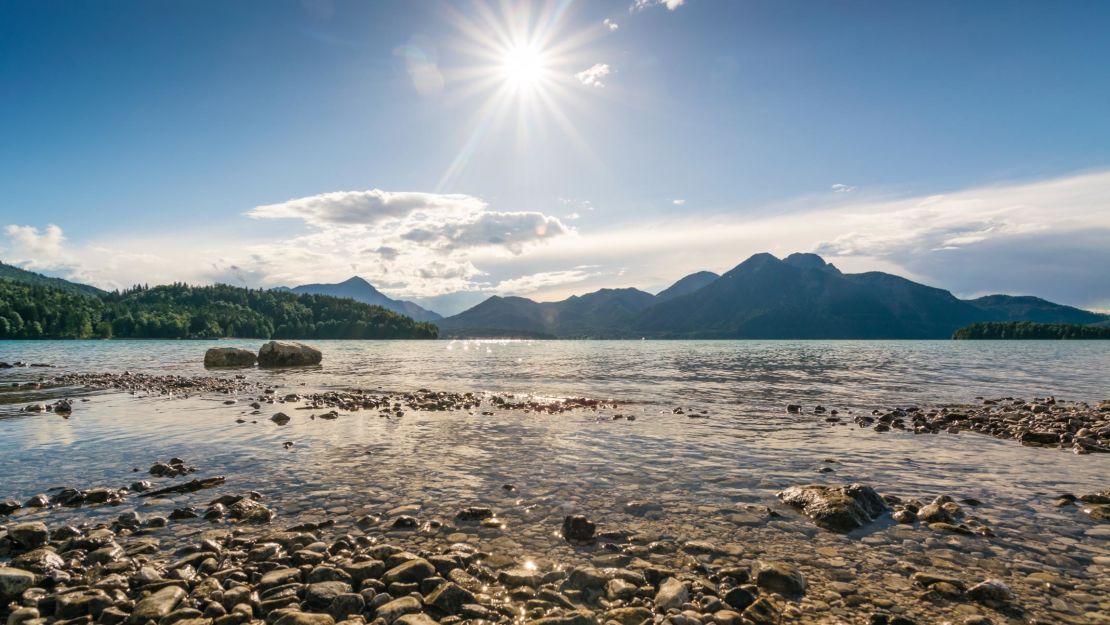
<point x="41" y="311"/>
<point x="1026" y="330"/>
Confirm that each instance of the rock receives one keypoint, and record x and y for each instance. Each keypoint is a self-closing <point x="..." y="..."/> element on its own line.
<point x="304" y="618"/>
<point x="628" y="616"/>
<point x="836" y="508"/>
<point x="279" y="577"/>
<point x="781" y="578"/>
<point x="934" y="513"/>
<point x="578" y="527"/>
<point x="397" y="608"/>
<point x="672" y="594"/>
<point x="13" y="582"/>
<point x="22" y="615"/>
<point x="413" y="571"/>
<point x="739" y="598"/>
<point x="29" y="535"/>
<point x="1040" y="438"/>
<point x="288" y="354"/>
<point x="280" y="418"/>
<point x="585" y="578"/>
<point x="763" y="612"/>
<point x="157" y="605"/>
<point x="9" y="506"/>
<point x="322" y="594"/>
<point x="991" y="592"/>
<point x="228" y="357"/>
<point x="416" y="619"/>
<point x="474" y="513"/>
<point x="450" y="597"/>
<point x="81" y="602"/>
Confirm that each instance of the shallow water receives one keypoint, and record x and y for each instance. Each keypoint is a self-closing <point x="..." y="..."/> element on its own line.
<point x="708" y="479"/>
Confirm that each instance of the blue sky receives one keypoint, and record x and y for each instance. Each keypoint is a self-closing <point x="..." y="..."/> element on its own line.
<point x="268" y="143"/>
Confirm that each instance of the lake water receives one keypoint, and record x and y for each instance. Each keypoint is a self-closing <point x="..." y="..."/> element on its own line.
<point x="707" y="479"/>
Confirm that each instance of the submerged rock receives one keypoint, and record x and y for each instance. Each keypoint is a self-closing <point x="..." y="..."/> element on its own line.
<point x="288" y="354"/>
<point x="578" y="527"/>
<point x="228" y="357"/>
<point x="836" y="508"/>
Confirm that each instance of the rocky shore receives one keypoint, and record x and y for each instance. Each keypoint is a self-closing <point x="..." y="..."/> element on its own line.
<point x="393" y="545"/>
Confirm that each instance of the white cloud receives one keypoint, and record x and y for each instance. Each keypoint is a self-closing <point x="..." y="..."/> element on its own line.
<point x="592" y="76"/>
<point x="27" y="242"/>
<point x="671" y="5"/>
<point x="367" y="207"/>
<point x="529" y="284"/>
<point x="572" y="216"/>
<point x="842" y="188"/>
<point x="610" y="24"/>
<point x="678" y="202"/>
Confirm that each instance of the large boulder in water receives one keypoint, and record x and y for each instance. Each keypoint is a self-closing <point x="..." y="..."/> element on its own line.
<point x="288" y="354"/>
<point x="836" y="508"/>
<point x="228" y="357"/>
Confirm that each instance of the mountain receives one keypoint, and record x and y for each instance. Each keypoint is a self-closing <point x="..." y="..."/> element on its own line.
<point x="608" y="313"/>
<point x="764" y="297"/>
<point x="1035" y="309"/>
<point x="15" y="274"/>
<point x="686" y="285"/>
<point x="768" y="298"/>
<point x="362" y="291"/>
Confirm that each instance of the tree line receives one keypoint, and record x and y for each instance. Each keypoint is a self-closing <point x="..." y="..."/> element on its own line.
<point x="1027" y="330"/>
<point x="174" y="311"/>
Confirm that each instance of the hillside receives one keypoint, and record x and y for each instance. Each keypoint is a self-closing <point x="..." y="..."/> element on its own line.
<point x="1028" y="308"/>
<point x="686" y="285"/>
<point x="607" y="313"/>
<point x="10" y="272"/>
<point x="360" y="290"/>
<point x="1024" y="331"/>
<point x="182" y="311"/>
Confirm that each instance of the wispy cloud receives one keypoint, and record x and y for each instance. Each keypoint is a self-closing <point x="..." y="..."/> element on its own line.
<point x="678" y="202"/>
<point x="610" y="24"/>
<point x="842" y="188"/>
<point x="671" y="5"/>
<point x="592" y="76"/>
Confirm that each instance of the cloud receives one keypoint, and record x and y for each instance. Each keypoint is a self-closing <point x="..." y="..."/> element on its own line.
<point x="572" y="216"/>
<point x="610" y="24"/>
<point x="842" y="188"/>
<point x="507" y="230"/>
<point x="525" y="285"/>
<point x="27" y="242"/>
<point x="591" y="77"/>
<point x="679" y="202"/>
<point x="366" y="207"/>
<point x="671" y="5"/>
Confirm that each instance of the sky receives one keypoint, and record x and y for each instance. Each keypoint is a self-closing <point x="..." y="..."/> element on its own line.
<point x="451" y="150"/>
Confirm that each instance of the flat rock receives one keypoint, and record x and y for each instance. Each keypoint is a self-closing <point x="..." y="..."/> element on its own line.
<point x="157" y="605"/>
<point x="13" y="582"/>
<point x="399" y="607"/>
<point x="29" y="535"/>
<point x="672" y="594"/>
<point x="304" y="618"/>
<point x="781" y="578"/>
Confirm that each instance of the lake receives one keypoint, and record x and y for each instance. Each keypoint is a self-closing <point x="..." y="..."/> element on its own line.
<point x="709" y="477"/>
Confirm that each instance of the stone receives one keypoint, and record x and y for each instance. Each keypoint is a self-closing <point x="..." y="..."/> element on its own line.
<point x="29" y="535"/>
<point x="413" y="571"/>
<point x="836" y="508"/>
<point x="991" y="592"/>
<point x="280" y="418"/>
<point x="671" y="595"/>
<point x="304" y="618"/>
<point x="781" y="578"/>
<point x="288" y="354"/>
<point x="450" y="597"/>
<point x="157" y="605"/>
<point x="763" y="612"/>
<point x="397" y="608"/>
<point x="578" y="527"/>
<point x="228" y="357"/>
<point x="321" y="594"/>
<point x="9" y="506"/>
<point x="279" y="577"/>
<point x="89" y="601"/>
<point x="13" y="582"/>
<point x="739" y="598"/>
<point x="628" y="616"/>
<point x="416" y="619"/>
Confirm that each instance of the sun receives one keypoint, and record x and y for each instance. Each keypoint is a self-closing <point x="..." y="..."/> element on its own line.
<point x="524" y="66"/>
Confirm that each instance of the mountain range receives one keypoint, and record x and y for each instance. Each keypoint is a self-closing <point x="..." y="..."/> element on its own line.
<point x="362" y="291"/>
<point x="764" y="297"/>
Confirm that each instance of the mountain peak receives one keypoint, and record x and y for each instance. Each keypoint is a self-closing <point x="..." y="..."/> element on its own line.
<point x="804" y="260"/>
